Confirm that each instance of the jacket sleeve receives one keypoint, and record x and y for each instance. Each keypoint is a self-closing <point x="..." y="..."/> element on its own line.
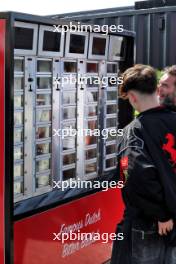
<point x="165" y="170"/>
<point x="143" y="189"/>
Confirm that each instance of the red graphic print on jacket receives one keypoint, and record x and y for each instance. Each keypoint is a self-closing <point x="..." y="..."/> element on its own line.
<point x="124" y="169"/>
<point x="170" y="148"/>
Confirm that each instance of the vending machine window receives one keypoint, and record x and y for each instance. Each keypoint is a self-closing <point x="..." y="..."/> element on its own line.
<point x="88" y="106"/>
<point x="19" y="126"/>
<point x="43" y="125"/>
<point x="98" y="46"/>
<point x="111" y="116"/>
<point x="68" y="121"/>
<point x="76" y="45"/>
<point x="50" y="43"/>
<point x="26" y="38"/>
<point x="117" y="48"/>
<point x="33" y="82"/>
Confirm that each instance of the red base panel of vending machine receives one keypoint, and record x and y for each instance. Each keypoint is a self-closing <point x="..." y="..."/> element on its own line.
<point x="36" y="238"/>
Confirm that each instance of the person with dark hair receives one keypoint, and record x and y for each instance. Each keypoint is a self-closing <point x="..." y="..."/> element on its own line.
<point x="147" y="166"/>
<point x="167" y="87"/>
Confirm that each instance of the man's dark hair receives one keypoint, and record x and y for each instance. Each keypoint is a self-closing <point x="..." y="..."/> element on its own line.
<point x="171" y="71"/>
<point x="141" y="78"/>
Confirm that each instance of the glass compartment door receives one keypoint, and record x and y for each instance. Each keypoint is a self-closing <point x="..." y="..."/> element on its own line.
<point x="110" y="122"/>
<point x="43" y="125"/>
<point x="24" y="97"/>
<point x="33" y="107"/>
<point x="68" y="118"/>
<point x="88" y="119"/>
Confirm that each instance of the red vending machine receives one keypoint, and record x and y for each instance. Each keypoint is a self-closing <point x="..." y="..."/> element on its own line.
<point x="52" y="182"/>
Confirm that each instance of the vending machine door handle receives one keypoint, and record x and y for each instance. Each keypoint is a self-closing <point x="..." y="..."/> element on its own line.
<point x="30" y="79"/>
<point x="57" y="88"/>
<point x="58" y="82"/>
<point x="30" y="88"/>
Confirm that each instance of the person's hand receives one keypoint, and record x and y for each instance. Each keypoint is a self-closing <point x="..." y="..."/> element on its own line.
<point x="164" y="227"/>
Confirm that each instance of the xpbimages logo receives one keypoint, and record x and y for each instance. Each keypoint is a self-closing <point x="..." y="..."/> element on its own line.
<point x="83" y="232"/>
<point x="72" y="132"/>
<point x="87" y="184"/>
<point x="93" y="236"/>
<point x="78" y="27"/>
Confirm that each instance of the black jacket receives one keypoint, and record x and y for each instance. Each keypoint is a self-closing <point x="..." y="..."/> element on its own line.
<point x="147" y="164"/>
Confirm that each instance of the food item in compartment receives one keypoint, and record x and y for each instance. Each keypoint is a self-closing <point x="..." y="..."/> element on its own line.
<point x="18" y="83"/>
<point x="17" y="135"/>
<point x="17" y="187"/>
<point x="18" y="118"/>
<point x="18" y="168"/>
<point x="43" y="116"/>
<point x="43" y="165"/>
<point x="43" y="148"/>
<point x="18" y="153"/>
<point x="17" y="101"/>
<point x="42" y="181"/>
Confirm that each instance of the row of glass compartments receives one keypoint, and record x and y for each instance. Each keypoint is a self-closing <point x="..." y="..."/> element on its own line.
<point x="43" y="125"/>
<point x="68" y="66"/>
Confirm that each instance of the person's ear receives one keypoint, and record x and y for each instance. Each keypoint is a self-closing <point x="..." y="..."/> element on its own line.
<point x="132" y="96"/>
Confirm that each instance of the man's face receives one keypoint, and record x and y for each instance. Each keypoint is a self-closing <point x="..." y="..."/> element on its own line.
<point x="167" y="89"/>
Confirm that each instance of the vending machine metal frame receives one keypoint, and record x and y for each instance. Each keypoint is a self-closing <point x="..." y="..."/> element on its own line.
<point x="7" y="31"/>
